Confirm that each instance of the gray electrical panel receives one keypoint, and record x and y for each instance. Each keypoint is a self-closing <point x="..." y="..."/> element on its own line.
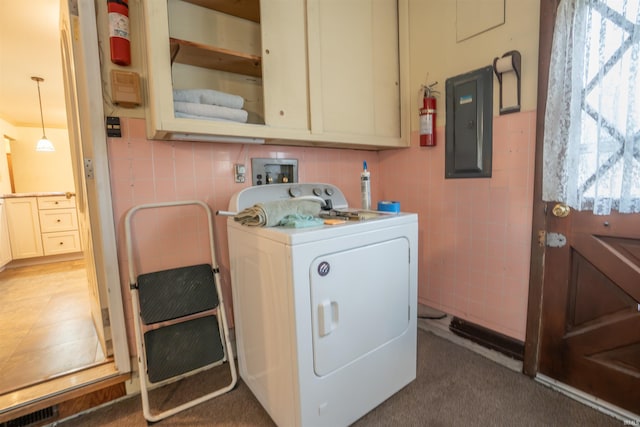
<point x="469" y="123"/>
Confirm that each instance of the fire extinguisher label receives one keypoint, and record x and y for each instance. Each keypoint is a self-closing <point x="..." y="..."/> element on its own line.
<point x="118" y="25"/>
<point x="426" y="127"/>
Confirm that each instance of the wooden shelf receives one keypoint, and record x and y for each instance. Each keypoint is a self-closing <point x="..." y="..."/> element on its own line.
<point x="200" y="55"/>
<point x="246" y="9"/>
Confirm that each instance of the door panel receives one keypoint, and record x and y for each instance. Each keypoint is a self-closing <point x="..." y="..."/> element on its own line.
<point x="590" y="336"/>
<point x="358" y="302"/>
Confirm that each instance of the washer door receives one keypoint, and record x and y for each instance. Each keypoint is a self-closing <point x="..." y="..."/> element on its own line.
<point x="359" y="301"/>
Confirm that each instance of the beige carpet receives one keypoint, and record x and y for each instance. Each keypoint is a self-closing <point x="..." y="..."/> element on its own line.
<point x="454" y="387"/>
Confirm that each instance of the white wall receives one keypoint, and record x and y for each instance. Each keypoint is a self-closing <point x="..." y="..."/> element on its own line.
<point x="435" y="50"/>
<point x="39" y="171"/>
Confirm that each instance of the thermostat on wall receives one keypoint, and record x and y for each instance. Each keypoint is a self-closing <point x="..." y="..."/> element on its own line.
<point x="125" y="88"/>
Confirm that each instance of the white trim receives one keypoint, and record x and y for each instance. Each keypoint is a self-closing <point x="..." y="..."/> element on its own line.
<point x="102" y="224"/>
<point x="607" y="408"/>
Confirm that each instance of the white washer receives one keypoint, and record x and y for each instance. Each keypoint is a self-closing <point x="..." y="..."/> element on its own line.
<point x="325" y="317"/>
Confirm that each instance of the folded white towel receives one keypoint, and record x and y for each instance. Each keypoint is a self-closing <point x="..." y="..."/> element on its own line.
<point x="213" y="111"/>
<point x="208" y="96"/>
<point x="195" y="116"/>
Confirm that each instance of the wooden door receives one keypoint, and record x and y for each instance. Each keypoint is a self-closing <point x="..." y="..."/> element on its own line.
<point x="583" y="322"/>
<point x="590" y="337"/>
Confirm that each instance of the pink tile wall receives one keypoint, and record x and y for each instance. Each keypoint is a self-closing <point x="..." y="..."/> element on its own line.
<point x="145" y="171"/>
<point x="474" y="234"/>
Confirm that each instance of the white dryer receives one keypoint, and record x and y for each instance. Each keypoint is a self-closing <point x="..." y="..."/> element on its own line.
<point x="325" y="317"/>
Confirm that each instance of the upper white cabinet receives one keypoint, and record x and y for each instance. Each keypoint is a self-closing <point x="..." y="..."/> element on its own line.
<point x="354" y="68"/>
<point x="311" y="72"/>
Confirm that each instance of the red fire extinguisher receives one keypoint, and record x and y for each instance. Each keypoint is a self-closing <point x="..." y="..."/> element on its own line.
<point x="428" y="117"/>
<point x="119" y="31"/>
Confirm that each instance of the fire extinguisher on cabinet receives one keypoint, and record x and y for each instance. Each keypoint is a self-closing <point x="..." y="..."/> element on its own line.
<point x="428" y="116"/>
<point x="119" y="42"/>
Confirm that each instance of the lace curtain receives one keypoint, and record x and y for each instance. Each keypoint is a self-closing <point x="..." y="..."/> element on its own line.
<point x="592" y="121"/>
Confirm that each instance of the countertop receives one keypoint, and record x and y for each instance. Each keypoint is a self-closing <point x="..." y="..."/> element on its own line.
<point x="37" y="194"/>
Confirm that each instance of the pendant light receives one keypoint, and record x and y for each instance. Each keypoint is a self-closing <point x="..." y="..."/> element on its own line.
<point x="43" y="144"/>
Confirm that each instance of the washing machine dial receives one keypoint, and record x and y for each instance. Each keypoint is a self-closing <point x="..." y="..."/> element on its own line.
<point x="295" y="191"/>
<point x="329" y="191"/>
<point x="317" y="191"/>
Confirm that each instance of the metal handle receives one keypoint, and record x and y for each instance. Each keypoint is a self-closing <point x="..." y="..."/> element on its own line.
<point x="561" y="210"/>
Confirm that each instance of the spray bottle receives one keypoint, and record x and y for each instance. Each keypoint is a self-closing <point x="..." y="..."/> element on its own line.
<point x="365" y="187"/>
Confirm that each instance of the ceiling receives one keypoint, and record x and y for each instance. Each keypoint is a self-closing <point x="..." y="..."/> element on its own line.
<point x="30" y="46"/>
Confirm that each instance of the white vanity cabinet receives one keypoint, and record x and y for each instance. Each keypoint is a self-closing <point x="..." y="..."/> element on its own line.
<point x="42" y="226"/>
<point x="312" y="72"/>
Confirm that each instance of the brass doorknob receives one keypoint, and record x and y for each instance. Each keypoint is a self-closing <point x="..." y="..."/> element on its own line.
<point x="561" y="210"/>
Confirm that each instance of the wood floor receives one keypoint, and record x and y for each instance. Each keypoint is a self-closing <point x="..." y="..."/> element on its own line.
<point x="45" y="324"/>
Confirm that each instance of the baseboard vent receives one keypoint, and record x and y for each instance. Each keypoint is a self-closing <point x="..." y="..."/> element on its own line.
<point x="488" y="338"/>
<point x="33" y="419"/>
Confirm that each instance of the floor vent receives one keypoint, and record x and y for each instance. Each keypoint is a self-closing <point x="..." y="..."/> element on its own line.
<point x="33" y="419"/>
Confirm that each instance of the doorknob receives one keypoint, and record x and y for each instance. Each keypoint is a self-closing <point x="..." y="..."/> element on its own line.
<point x="561" y="210"/>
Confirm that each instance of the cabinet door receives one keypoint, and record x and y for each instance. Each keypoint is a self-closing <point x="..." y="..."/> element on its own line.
<point x="24" y="227"/>
<point x="354" y="68"/>
<point x="284" y="63"/>
<point x="5" y="245"/>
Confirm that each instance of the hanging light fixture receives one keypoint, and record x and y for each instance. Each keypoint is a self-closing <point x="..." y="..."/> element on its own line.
<point x="43" y="144"/>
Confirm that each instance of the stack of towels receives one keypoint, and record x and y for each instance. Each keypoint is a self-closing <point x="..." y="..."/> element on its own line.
<point x="208" y="104"/>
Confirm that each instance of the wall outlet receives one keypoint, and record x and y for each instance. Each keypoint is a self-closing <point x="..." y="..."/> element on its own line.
<point x="239" y="171"/>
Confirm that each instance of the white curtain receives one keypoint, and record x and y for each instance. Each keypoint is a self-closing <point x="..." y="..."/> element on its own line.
<point x="592" y="120"/>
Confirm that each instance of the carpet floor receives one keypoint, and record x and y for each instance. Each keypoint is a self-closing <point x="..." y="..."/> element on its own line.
<point x="454" y="387"/>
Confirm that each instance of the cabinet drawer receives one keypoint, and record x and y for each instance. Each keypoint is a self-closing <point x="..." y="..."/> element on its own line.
<point x="58" y="220"/>
<point x="56" y="202"/>
<point x="61" y="242"/>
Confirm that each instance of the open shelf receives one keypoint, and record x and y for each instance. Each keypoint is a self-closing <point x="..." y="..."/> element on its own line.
<point x="246" y="9"/>
<point x="200" y="55"/>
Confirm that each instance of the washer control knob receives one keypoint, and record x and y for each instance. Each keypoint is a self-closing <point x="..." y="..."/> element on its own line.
<point x="329" y="191"/>
<point x="295" y="191"/>
<point x="317" y="191"/>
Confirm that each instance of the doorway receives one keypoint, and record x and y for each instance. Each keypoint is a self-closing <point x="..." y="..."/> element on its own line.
<point x="95" y="212"/>
<point x="46" y="327"/>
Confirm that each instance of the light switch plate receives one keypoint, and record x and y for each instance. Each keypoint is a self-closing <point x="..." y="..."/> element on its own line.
<point x="239" y="170"/>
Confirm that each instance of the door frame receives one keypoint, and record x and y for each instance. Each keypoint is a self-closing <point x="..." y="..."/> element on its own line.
<point x="94" y="147"/>
<point x="548" y="9"/>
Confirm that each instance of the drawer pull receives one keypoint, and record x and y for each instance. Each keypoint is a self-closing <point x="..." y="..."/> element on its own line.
<point x="57" y="220"/>
<point x="61" y="243"/>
